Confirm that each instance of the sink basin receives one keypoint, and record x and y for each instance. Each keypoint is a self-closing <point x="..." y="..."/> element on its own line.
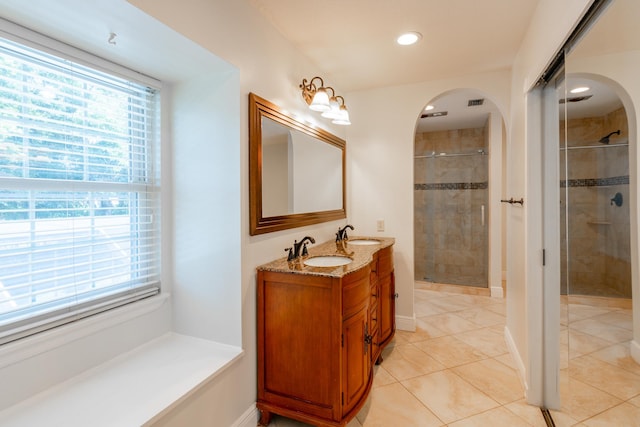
<point x="327" y="261"/>
<point x="363" y="242"/>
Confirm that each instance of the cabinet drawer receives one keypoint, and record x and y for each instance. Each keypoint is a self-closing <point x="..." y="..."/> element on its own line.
<point x="355" y="291"/>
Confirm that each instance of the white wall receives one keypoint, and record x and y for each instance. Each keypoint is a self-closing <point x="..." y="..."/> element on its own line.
<point x="550" y="26"/>
<point x="270" y="67"/>
<point x="205" y="196"/>
<point x="380" y="159"/>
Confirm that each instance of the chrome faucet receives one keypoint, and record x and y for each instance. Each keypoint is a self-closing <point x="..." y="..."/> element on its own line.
<point x="342" y="233"/>
<point x="300" y="245"/>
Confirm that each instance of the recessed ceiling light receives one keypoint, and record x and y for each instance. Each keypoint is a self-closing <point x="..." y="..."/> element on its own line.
<point x="409" y="38"/>
<point x="429" y="108"/>
<point x="580" y="89"/>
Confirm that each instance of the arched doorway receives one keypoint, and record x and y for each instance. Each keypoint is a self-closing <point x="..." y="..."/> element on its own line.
<point x="458" y="171"/>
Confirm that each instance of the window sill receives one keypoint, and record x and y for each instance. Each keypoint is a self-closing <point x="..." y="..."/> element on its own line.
<point x="132" y="389"/>
<point x="45" y="341"/>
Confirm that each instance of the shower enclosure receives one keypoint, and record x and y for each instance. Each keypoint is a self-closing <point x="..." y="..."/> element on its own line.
<point x="594" y="160"/>
<point x="451" y="207"/>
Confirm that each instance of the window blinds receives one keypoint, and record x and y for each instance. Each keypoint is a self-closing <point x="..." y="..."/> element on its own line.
<point x="79" y="194"/>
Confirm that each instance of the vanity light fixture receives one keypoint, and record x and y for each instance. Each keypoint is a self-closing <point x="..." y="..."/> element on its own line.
<point x="318" y="99"/>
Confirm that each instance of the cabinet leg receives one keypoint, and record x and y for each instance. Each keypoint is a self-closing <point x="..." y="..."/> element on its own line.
<point x="379" y="360"/>
<point x="265" y="418"/>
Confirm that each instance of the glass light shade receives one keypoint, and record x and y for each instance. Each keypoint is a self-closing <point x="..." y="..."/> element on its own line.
<point x="334" y="112"/>
<point x="320" y="101"/>
<point x="344" y="117"/>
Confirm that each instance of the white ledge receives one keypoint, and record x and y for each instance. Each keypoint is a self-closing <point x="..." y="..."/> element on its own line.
<point x="131" y="389"/>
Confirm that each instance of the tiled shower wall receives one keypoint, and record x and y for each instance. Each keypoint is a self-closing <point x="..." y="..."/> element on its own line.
<point x="598" y="241"/>
<point x="449" y="192"/>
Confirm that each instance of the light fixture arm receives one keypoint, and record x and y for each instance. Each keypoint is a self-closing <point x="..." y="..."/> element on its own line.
<point x="309" y="89"/>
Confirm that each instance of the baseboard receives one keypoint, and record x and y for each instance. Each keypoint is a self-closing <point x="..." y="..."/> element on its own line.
<point x="497" y="292"/>
<point x="511" y="345"/>
<point x="405" y="323"/>
<point x="634" y="348"/>
<point x="249" y="418"/>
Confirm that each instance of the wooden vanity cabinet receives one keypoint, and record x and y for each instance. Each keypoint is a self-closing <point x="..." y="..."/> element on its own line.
<point x="318" y="337"/>
<point x="382" y="306"/>
<point x="387" y="296"/>
<point x="314" y="362"/>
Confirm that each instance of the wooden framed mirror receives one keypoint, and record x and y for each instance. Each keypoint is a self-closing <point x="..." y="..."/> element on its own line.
<point x="296" y="171"/>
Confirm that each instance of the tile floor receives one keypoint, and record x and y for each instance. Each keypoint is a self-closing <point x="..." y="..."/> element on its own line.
<point x="455" y="370"/>
<point x="599" y="381"/>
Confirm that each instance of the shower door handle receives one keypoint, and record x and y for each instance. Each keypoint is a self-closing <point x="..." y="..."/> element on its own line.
<point x="482" y="215"/>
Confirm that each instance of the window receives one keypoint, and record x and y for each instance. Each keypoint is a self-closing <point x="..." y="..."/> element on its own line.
<point x="79" y="191"/>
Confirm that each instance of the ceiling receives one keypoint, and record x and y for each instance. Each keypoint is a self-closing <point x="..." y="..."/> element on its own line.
<point x="353" y="41"/>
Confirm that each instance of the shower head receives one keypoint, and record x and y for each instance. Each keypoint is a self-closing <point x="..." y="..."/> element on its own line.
<point x="605" y="139"/>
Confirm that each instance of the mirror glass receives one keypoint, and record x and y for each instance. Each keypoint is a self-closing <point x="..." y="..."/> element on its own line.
<point x="296" y="171"/>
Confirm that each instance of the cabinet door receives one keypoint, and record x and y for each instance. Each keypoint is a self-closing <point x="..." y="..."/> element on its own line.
<point x="355" y="358"/>
<point x="387" y="307"/>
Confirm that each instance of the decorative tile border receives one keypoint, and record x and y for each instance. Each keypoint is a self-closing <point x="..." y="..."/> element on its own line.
<point x="595" y="182"/>
<point x="453" y="186"/>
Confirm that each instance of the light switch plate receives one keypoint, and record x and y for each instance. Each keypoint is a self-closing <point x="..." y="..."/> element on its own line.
<point x="380" y="224"/>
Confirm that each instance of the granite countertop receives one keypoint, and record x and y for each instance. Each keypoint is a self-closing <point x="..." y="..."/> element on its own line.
<point x="360" y="254"/>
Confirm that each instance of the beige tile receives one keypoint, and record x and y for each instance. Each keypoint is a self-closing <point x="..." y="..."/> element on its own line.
<point x="448" y="323"/>
<point x="486" y="340"/>
<point x="507" y="359"/>
<point x="622" y="415"/>
<point x="581" y="401"/>
<point x="480" y="300"/>
<point x="604" y="376"/>
<point x="382" y="377"/>
<point x="618" y="355"/>
<point x="451" y="304"/>
<point x="581" y="343"/>
<point x="427" y="309"/>
<point x="601" y="330"/>
<point x="482" y="316"/>
<point x="448" y="396"/>
<point x="426" y="330"/>
<point x="579" y="311"/>
<point x="498" y="417"/>
<point x="531" y="414"/>
<point x="393" y="405"/>
<point x="561" y="419"/>
<point x="635" y="401"/>
<point x="406" y="361"/>
<point x="497" y="380"/>
<point x="620" y="318"/>
<point x="450" y="351"/>
<point x="500" y="308"/>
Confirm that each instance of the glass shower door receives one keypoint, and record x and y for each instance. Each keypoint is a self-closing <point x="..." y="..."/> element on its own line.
<point x="452" y="216"/>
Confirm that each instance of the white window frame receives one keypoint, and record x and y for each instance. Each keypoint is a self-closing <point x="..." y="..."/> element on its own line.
<point x="29" y="328"/>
